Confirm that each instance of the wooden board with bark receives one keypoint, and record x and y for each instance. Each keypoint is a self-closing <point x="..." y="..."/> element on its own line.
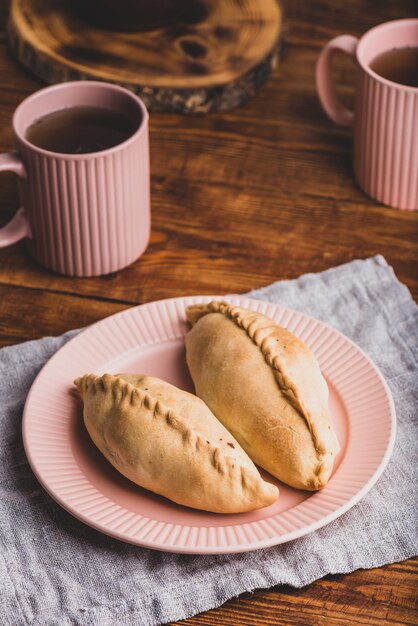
<point x="212" y="58"/>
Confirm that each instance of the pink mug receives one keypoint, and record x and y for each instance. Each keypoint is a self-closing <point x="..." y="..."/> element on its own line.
<point x="385" y="116"/>
<point x="82" y="214"/>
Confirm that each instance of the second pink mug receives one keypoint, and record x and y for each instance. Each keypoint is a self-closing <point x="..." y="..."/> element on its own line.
<point x="82" y="214"/>
<point x="385" y="117"/>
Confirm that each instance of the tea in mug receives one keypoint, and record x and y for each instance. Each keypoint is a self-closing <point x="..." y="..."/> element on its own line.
<point x="400" y="65"/>
<point x="81" y="130"/>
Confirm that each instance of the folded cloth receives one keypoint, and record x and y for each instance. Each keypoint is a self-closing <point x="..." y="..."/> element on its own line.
<point x="55" y="570"/>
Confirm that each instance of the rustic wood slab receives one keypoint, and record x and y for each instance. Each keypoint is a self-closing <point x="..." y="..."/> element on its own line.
<point x="213" y="58"/>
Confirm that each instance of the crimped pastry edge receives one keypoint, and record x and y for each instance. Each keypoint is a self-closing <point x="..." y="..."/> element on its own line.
<point x="195" y="312"/>
<point x="137" y="397"/>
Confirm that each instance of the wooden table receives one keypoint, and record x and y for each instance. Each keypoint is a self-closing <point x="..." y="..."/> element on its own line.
<point x="240" y="199"/>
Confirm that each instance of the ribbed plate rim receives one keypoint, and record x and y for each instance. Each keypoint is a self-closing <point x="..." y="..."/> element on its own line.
<point x="85" y="336"/>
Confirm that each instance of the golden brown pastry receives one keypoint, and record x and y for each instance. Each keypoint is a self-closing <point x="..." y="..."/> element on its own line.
<point x="266" y="387"/>
<point x="168" y="441"/>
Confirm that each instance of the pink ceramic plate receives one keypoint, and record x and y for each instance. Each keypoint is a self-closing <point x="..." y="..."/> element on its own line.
<point x="149" y="339"/>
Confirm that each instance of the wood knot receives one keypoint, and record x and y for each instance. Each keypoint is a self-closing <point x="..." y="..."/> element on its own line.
<point x="193" y="48"/>
<point x="224" y="33"/>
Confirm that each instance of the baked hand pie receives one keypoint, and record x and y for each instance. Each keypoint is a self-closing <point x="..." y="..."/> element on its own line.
<point x="266" y="387"/>
<point x="168" y="441"/>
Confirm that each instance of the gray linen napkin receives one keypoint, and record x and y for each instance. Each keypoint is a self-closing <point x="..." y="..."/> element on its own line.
<point x="55" y="570"/>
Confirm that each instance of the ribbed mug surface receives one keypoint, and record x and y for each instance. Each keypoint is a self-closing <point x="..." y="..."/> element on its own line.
<point x="385" y="116"/>
<point x="89" y="214"/>
<point x="386" y="141"/>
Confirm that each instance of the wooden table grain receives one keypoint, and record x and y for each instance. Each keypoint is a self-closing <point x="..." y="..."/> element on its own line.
<point x="240" y="199"/>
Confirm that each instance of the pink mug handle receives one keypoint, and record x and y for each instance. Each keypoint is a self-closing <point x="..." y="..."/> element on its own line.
<point x="324" y="85"/>
<point x="18" y="227"/>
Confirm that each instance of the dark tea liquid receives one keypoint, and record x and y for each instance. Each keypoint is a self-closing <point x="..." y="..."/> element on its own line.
<point x="399" y="65"/>
<point x="81" y="129"/>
